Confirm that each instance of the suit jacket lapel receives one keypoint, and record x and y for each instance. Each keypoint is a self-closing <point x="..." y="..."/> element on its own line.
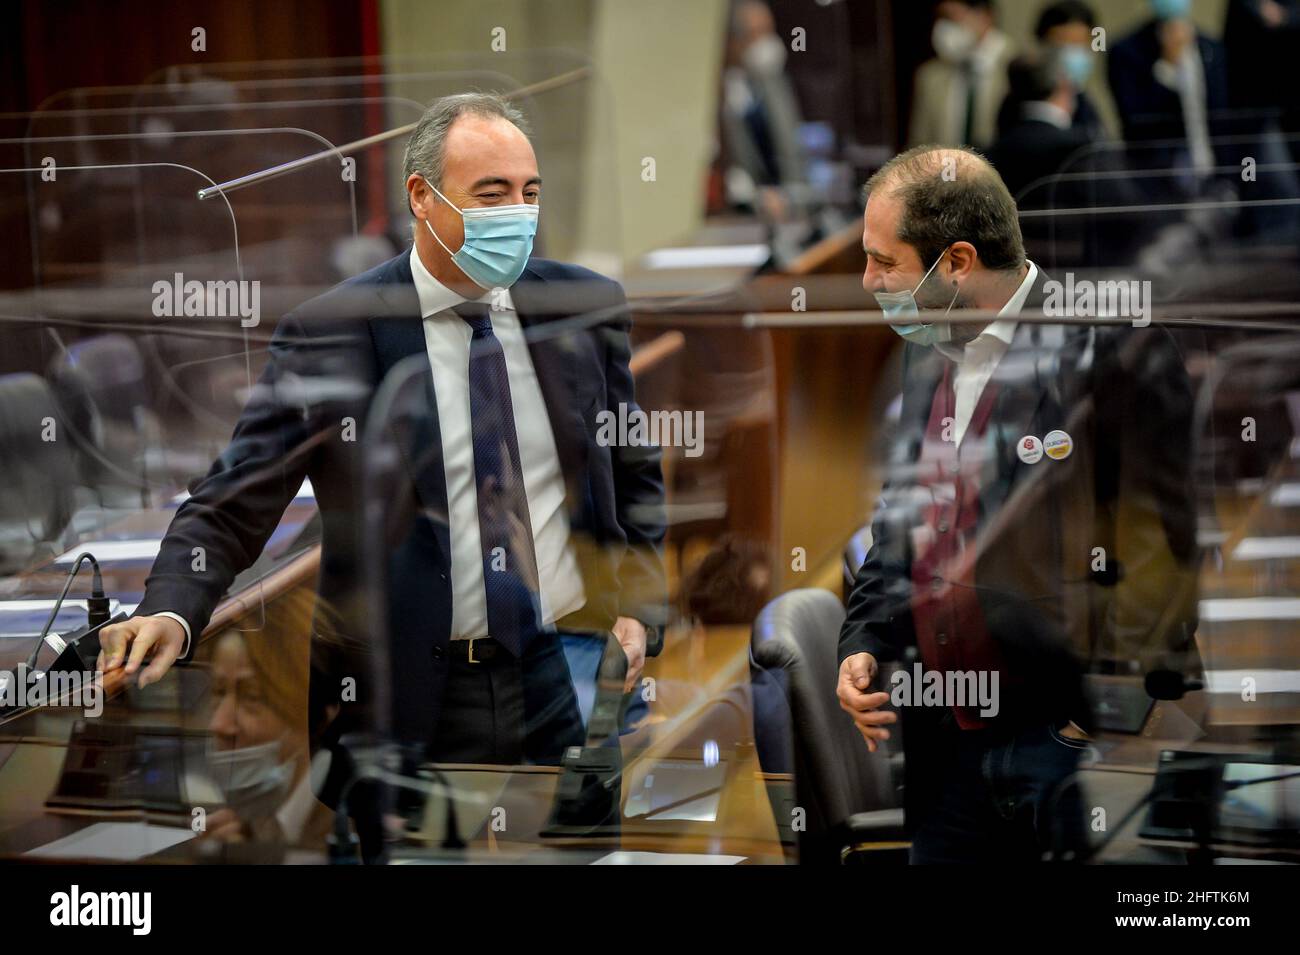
<point x="924" y="368"/>
<point x="1033" y="379"/>
<point x="398" y="333"/>
<point x="1019" y="381"/>
<point x="557" y="375"/>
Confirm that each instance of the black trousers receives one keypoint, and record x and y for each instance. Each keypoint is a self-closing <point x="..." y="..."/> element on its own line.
<point x="509" y="711"/>
<point x="1004" y="797"/>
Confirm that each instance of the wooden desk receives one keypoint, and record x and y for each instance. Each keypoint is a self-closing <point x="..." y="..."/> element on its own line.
<point x="33" y="748"/>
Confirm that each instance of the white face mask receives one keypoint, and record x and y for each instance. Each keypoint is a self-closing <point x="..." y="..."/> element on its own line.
<point x="252" y="778"/>
<point x="498" y="241"/>
<point x="898" y="306"/>
<point x="765" y="55"/>
<point x="953" y="42"/>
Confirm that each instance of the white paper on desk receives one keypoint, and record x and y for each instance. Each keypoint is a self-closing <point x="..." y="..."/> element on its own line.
<point x="108" y="552"/>
<point x="124" y="841"/>
<point x="666" y="858"/>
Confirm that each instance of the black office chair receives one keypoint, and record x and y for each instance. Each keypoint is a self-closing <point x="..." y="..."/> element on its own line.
<point x="852" y="805"/>
<point x="104" y="393"/>
<point x="199" y="388"/>
<point x="36" y="474"/>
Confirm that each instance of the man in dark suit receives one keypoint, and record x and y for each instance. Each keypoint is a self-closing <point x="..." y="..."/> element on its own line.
<point x="1064" y="33"/>
<point x="1036" y="522"/>
<point x="510" y="525"/>
<point x="1041" y="154"/>
<point x="1038" y="135"/>
<point x="1171" y="83"/>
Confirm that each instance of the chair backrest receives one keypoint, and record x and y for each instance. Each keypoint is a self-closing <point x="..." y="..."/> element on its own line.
<point x="113" y="373"/>
<point x="36" y="473"/>
<point x="104" y="395"/>
<point x="835" y="774"/>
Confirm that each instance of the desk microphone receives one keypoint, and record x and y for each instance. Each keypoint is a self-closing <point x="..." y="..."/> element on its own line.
<point x="96" y="607"/>
<point x="75" y="650"/>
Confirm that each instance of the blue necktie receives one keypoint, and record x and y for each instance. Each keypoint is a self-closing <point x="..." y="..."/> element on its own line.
<point x="505" y="531"/>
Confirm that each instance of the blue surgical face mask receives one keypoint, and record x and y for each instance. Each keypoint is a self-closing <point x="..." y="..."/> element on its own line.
<point x="1076" y="62"/>
<point x="498" y="241"/>
<point x="897" y="305"/>
<point x="1171" y="9"/>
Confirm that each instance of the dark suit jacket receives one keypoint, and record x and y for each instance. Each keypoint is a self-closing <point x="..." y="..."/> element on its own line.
<point x="1032" y="149"/>
<point x="1086" y="121"/>
<point x="1030" y="155"/>
<point x="1260" y="58"/>
<point x="1122" y="395"/>
<point x="1148" y="109"/>
<point x="311" y="416"/>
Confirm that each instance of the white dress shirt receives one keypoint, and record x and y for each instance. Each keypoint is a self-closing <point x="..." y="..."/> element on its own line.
<point x="1187" y="79"/>
<point x="1046" y="112"/>
<point x="447" y="337"/>
<point x="979" y="359"/>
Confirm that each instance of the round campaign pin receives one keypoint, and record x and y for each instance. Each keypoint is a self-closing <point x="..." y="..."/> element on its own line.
<point x="1057" y="445"/>
<point x="1030" y="449"/>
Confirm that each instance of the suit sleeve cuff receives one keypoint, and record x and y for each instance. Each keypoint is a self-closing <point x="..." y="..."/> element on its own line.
<point x="185" y="651"/>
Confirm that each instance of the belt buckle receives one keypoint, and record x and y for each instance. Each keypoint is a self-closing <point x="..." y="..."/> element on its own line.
<point x="472" y="658"/>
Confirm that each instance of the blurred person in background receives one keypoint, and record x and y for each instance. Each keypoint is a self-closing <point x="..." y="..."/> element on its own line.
<point x="764" y="162"/>
<point x="1041" y="142"/>
<point x="1170" y="82"/>
<point x="260" y="755"/>
<point x="1262" y="40"/>
<point x="957" y="94"/>
<point x="1064" y="29"/>
<point x="1040" y="134"/>
<point x="760" y="118"/>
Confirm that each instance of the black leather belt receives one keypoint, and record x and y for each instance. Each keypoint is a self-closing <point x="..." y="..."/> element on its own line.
<point x="477" y="650"/>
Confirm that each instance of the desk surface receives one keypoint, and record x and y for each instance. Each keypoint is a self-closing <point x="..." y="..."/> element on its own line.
<point x="32" y="752"/>
<point x="33" y="748"/>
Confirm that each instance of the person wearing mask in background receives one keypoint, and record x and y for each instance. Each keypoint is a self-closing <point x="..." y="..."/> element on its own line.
<point x="1041" y="143"/>
<point x="1262" y="40"/>
<point x="273" y="746"/>
<point x="957" y="94"/>
<point x="1019" y="442"/>
<point x="1170" y="83"/>
<point x="760" y="119"/>
<point x="1040" y="134"/>
<point x="1064" y="29"/>
<point x="258" y="756"/>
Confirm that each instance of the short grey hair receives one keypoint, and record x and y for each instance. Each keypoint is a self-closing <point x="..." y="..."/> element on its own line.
<point x="426" y="149"/>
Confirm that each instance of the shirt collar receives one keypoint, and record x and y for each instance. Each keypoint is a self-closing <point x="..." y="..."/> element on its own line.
<point x="1003" y="328"/>
<point x="1046" y="112"/>
<point x="1016" y="302"/>
<point x="436" y="297"/>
